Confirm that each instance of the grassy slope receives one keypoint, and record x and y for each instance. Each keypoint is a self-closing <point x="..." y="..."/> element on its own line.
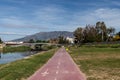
<point x="98" y="63"/>
<point x="21" y="69"/>
<point x="16" y="49"/>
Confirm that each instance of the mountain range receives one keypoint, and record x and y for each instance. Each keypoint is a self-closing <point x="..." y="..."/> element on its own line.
<point x="46" y="35"/>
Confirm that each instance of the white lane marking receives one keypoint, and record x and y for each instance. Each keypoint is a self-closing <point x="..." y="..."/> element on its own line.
<point x="57" y="72"/>
<point x="45" y="73"/>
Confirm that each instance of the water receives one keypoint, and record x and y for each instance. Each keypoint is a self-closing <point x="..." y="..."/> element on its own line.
<point x="13" y="56"/>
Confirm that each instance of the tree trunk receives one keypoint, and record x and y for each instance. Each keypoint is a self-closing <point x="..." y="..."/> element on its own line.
<point x="102" y="36"/>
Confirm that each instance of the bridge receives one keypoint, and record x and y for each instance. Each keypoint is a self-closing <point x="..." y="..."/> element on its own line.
<point x="33" y="46"/>
<point x="38" y="45"/>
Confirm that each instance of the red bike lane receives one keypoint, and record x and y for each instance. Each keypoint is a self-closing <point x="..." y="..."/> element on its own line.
<point x="59" y="67"/>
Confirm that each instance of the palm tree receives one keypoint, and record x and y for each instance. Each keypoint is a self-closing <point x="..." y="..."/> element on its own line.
<point x="101" y="27"/>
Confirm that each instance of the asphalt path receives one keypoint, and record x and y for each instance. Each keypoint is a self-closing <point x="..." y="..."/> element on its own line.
<point x="59" y="67"/>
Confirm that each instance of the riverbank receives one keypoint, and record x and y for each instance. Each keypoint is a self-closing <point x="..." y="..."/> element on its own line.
<point x="16" y="49"/>
<point x="97" y="63"/>
<point x="25" y="48"/>
<point x="22" y="69"/>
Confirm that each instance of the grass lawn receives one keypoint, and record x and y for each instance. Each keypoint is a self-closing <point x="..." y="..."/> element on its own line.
<point x="98" y="63"/>
<point x="22" y="69"/>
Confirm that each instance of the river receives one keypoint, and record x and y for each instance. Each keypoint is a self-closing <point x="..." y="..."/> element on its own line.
<point x="13" y="56"/>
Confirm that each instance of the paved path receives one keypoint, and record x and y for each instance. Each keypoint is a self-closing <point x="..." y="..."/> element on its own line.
<point x="59" y="67"/>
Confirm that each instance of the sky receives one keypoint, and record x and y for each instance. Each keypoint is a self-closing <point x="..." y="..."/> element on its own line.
<point x="19" y="18"/>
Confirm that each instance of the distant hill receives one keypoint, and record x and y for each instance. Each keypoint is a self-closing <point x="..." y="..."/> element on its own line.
<point x="46" y="35"/>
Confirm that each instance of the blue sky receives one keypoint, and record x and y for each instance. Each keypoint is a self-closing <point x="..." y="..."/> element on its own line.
<point x="19" y="18"/>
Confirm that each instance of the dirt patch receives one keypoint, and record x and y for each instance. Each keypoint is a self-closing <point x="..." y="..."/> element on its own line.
<point x="103" y="74"/>
<point x="89" y="57"/>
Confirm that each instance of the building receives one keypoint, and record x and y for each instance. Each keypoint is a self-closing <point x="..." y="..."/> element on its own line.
<point x="1" y="46"/>
<point x="71" y="40"/>
<point x="13" y="44"/>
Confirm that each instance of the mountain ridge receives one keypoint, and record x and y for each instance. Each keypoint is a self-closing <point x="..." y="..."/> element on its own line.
<point x="46" y="35"/>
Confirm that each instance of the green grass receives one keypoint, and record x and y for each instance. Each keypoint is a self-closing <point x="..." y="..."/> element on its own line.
<point x="98" y="63"/>
<point x="16" y="49"/>
<point x="102" y="45"/>
<point x="22" y="69"/>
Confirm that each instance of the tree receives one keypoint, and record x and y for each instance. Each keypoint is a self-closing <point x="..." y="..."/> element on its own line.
<point x="41" y="41"/>
<point x="1" y="40"/>
<point x="79" y="37"/>
<point x="87" y="34"/>
<point x="38" y="41"/>
<point x="110" y="33"/>
<point x="90" y="33"/>
<point x="93" y="33"/>
<point x="62" y="40"/>
<point x="55" y="41"/>
<point x="31" y="41"/>
<point x="118" y="34"/>
<point x="102" y="29"/>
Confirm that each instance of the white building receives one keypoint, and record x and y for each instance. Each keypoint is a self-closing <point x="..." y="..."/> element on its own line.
<point x="2" y="45"/>
<point x="13" y="42"/>
<point x="71" y="40"/>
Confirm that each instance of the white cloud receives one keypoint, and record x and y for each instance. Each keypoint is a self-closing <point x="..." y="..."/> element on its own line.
<point x="107" y="13"/>
<point x="49" y="13"/>
<point x="16" y="22"/>
<point x="12" y="22"/>
<point x="114" y="2"/>
<point x="52" y="17"/>
<point x="58" y="18"/>
<point x="16" y="1"/>
<point x="12" y="33"/>
<point x="110" y="16"/>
